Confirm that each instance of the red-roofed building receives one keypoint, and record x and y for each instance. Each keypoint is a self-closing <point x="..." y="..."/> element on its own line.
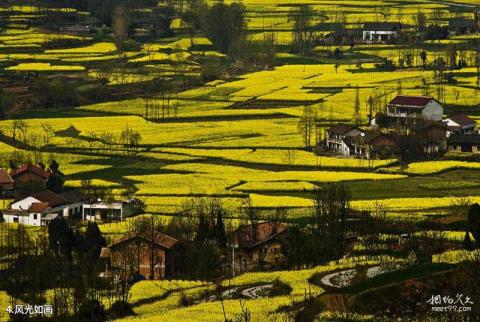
<point x="29" y="177"/>
<point x="7" y="185"/>
<point x="414" y="107"/>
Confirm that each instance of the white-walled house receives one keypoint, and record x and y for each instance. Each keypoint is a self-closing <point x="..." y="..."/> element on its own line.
<point x="460" y="124"/>
<point x="39" y="208"/>
<point x="380" y="32"/>
<point x="75" y="201"/>
<point x="101" y="210"/>
<point x="35" y="215"/>
<point x="55" y="201"/>
<point x="338" y="135"/>
<point x="424" y="107"/>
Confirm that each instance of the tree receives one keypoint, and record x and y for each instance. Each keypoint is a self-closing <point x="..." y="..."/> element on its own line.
<point x="423" y="57"/>
<point x="224" y="24"/>
<point x="120" y="22"/>
<point x="92" y="243"/>
<point x="56" y="179"/>
<point x="130" y="139"/>
<point x="220" y="235"/>
<point x="420" y="21"/>
<point x="60" y="237"/>
<point x="306" y="124"/>
<point x="330" y="210"/>
<point x="357" y="118"/>
<point x="303" y="29"/>
<point x="48" y="134"/>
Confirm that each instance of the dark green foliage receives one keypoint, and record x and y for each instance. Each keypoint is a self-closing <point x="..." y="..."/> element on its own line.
<point x="61" y="238"/>
<point x="56" y="179"/>
<point x="92" y="243"/>
<point x="224" y="24"/>
<point x="56" y="93"/>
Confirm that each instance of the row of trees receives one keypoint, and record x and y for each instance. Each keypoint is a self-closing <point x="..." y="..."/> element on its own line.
<point x="65" y="262"/>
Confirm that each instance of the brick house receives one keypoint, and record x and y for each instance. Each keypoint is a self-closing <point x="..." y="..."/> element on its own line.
<point x="148" y="253"/>
<point x="258" y="245"/>
<point x="29" y="177"/>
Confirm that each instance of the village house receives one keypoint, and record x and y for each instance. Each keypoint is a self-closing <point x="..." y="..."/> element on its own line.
<point x="74" y="202"/>
<point x="373" y="144"/>
<point x="381" y="32"/>
<point x="39" y="208"/>
<point x="257" y="245"/>
<point x="54" y="201"/>
<point x="338" y="136"/>
<point x="460" y="124"/>
<point x="464" y="143"/>
<point x="7" y="185"/>
<point x="37" y="214"/>
<point x="149" y="253"/>
<point x="344" y="36"/>
<point x="29" y="177"/>
<point x="104" y="210"/>
<point x="405" y="112"/>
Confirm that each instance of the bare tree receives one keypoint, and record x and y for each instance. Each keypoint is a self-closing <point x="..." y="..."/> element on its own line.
<point x="306" y="125"/>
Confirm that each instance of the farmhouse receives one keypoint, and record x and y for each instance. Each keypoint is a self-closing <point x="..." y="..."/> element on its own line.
<point x="37" y="214"/>
<point x="7" y="185"/>
<point x="28" y="177"/>
<point x="104" y="210"/>
<point x="257" y="245"/>
<point x="373" y="144"/>
<point x="460" y="124"/>
<point x="338" y="137"/>
<point x="75" y="201"/>
<point x="381" y="32"/>
<point x="149" y="252"/>
<point x="406" y="112"/>
<point x="464" y="143"/>
<point x="54" y="201"/>
<point x="39" y="208"/>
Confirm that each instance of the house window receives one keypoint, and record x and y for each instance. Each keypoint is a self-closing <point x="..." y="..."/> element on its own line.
<point x="35" y="216"/>
<point x="15" y="219"/>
